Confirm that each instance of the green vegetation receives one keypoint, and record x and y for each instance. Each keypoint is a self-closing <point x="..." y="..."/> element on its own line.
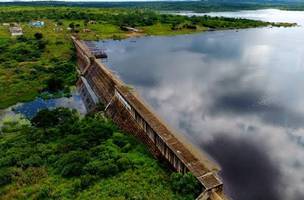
<point x="42" y="62"/>
<point x="30" y="66"/>
<point x="103" y="23"/>
<point x="40" y="159"/>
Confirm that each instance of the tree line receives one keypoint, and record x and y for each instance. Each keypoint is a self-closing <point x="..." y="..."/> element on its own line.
<point x="124" y="17"/>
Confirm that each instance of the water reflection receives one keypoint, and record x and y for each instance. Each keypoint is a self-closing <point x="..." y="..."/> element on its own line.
<point x="30" y="109"/>
<point x="272" y="15"/>
<point x="238" y="95"/>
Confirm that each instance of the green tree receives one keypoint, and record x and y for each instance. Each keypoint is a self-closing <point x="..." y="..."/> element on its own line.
<point x="5" y="176"/>
<point x="45" y="118"/>
<point x="38" y="36"/>
<point x="55" y="84"/>
<point x="71" y="164"/>
<point x="72" y="25"/>
<point x="49" y="118"/>
<point x="185" y="184"/>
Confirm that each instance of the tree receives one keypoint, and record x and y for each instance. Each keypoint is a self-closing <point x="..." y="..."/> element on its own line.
<point x="54" y="84"/>
<point x="185" y="184"/>
<point x="41" y="44"/>
<point x="59" y="23"/>
<point x="5" y="176"/>
<point x="22" y="38"/>
<point x="85" y="23"/>
<point x="49" y="118"/>
<point x="38" y="36"/>
<point x="72" y="25"/>
<point x="72" y="163"/>
<point x="45" y="118"/>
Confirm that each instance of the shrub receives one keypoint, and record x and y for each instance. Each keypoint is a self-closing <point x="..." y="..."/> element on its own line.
<point x="73" y="142"/>
<point x="71" y="164"/>
<point x="102" y="168"/>
<point x="49" y="118"/>
<point x="54" y="84"/>
<point x="33" y="161"/>
<point x="72" y="25"/>
<point x="41" y="44"/>
<point x="22" y="38"/>
<point x="45" y="192"/>
<point x="119" y="139"/>
<point x="124" y="163"/>
<point x="185" y="184"/>
<point x="38" y="36"/>
<point x="5" y="176"/>
<point x="59" y="23"/>
<point x="45" y="118"/>
<point x="87" y="180"/>
<point x="31" y="175"/>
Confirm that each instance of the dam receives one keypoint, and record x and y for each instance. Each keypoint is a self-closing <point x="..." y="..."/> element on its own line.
<point x="97" y="86"/>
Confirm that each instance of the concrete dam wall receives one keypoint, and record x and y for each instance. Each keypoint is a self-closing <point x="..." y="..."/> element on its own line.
<point x="98" y="85"/>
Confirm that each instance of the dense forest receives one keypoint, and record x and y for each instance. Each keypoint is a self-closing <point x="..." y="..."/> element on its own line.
<point x="60" y="155"/>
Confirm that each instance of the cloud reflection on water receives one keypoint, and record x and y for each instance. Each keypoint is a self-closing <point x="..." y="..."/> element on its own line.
<point x="237" y="95"/>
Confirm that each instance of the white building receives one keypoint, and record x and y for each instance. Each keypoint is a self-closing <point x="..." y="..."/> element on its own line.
<point x="16" y="30"/>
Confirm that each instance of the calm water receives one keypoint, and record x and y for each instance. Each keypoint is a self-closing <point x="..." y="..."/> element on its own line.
<point x="236" y="94"/>
<point x="30" y="109"/>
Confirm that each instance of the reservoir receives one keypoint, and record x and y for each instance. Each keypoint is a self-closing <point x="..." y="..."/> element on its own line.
<point x="236" y="94"/>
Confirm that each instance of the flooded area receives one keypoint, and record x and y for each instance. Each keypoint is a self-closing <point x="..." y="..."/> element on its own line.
<point x="238" y="95"/>
<point x="29" y="109"/>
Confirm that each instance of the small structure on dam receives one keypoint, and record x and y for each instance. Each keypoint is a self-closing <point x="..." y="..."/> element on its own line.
<point x="98" y="84"/>
<point x="95" y="50"/>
